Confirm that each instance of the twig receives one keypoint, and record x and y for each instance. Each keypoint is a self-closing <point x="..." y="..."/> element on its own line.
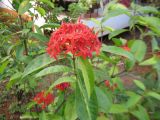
<point x="118" y="74"/>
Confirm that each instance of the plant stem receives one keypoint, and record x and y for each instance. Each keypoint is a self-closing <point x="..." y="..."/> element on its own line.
<point x="74" y="65"/>
<point x="26" y="46"/>
<point x="114" y="75"/>
<point x="25" y="40"/>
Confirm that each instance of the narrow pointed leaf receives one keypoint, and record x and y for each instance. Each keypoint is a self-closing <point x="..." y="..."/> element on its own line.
<point x="37" y="63"/>
<point x="88" y="75"/>
<point x="53" y="69"/>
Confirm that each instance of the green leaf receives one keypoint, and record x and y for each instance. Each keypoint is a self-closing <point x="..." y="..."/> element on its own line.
<point x="38" y="30"/>
<point x="96" y="21"/>
<point x="30" y="105"/>
<point x="52" y="116"/>
<point x="114" y="13"/>
<point x="116" y="32"/>
<point x="38" y="36"/>
<point x="50" y="25"/>
<point x="86" y="109"/>
<point x="61" y="80"/>
<point x="141" y="113"/>
<point x="147" y="9"/>
<point x="28" y="116"/>
<point x="37" y="63"/>
<point x="129" y="64"/>
<point x="88" y="75"/>
<point x="151" y="61"/>
<point x="119" y="41"/>
<point x="70" y="106"/>
<point x="24" y="7"/>
<point x="133" y="99"/>
<point x="20" y="54"/>
<point x="49" y="3"/>
<point x="154" y="95"/>
<point x="41" y="11"/>
<point x="139" y="50"/>
<point x="104" y="102"/>
<point x="139" y="84"/>
<point x="102" y="118"/>
<point x="118" y="51"/>
<point x="13" y="79"/>
<point x="3" y="66"/>
<point x="155" y="46"/>
<point x="53" y="69"/>
<point x="118" y="108"/>
<point x="152" y="23"/>
<point x="43" y="116"/>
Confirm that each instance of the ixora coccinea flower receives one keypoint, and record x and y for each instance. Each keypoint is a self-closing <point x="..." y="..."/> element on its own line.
<point x="62" y="86"/>
<point x="126" y="48"/>
<point x="44" y="99"/>
<point x="111" y="87"/>
<point x="75" y="38"/>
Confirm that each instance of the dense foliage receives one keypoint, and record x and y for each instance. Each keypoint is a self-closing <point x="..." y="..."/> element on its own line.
<point x="71" y="74"/>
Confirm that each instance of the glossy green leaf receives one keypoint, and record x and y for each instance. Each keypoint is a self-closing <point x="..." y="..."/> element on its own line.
<point x="38" y="36"/>
<point x="102" y="118"/>
<point x="61" y="80"/>
<point x="147" y="9"/>
<point x="133" y="99"/>
<point x="118" y="51"/>
<point x="155" y="46"/>
<point x="119" y="41"/>
<point x="14" y="78"/>
<point x="139" y="50"/>
<point x="118" y="108"/>
<point x="24" y="7"/>
<point x="88" y="75"/>
<point x="151" y="61"/>
<point x="41" y="11"/>
<point x="70" y="106"/>
<point x="20" y="54"/>
<point x="154" y="95"/>
<point x="139" y="84"/>
<point x="114" y="13"/>
<point x="3" y="66"/>
<point x="37" y="63"/>
<point x="43" y="116"/>
<point x="52" y="116"/>
<point x="48" y="2"/>
<point x="116" y="32"/>
<point x="96" y="21"/>
<point x="104" y="101"/>
<point x="152" y="23"/>
<point x="53" y="69"/>
<point x="86" y="109"/>
<point x="50" y="25"/>
<point x="28" y="116"/>
<point x="141" y="113"/>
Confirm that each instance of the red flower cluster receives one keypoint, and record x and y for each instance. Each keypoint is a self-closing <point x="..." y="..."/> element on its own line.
<point x="75" y="38"/>
<point x="111" y="87"/>
<point x="44" y="99"/>
<point x="125" y="47"/>
<point x="63" y="86"/>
